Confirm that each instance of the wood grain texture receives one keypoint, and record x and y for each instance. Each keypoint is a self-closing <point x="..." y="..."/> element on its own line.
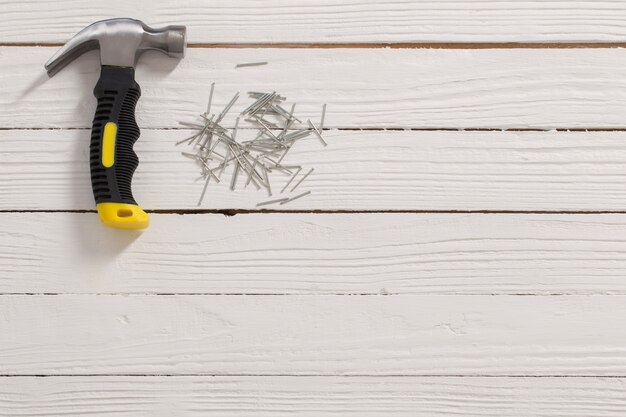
<point x="313" y="335"/>
<point x="315" y="352"/>
<point x="382" y="88"/>
<point x="316" y="254"/>
<point x="311" y="396"/>
<point x="332" y="21"/>
<point x="359" y="170"/>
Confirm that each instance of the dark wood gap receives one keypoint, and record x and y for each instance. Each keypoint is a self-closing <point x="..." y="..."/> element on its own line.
<point x="419" y="45"/>
<point x="234" y="212"/>
<point x="478" y="129"/>
<point x="260" y="294"/>
<point x="318" y="294"/>
<point x="376" y="45"/>
<point x="378" y="129"/>
<point x="307" y="375"/>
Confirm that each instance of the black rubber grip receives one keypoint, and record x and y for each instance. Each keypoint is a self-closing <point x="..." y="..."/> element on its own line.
<point x="117" y="94"/>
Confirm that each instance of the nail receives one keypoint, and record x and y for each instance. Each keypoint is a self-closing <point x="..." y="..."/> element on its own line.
<point x="295" y="198"/>
<point x="317" y="133"/>
<point x="265" y="203"/>
<point x="233" y="180"/>
<point x="302" y="179"/>
<point x="208" y="106"/>
<point x="291" y="179"/>
<point x="206" y="184"/>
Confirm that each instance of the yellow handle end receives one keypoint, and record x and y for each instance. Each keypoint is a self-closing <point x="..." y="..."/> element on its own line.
<point x="123" y="216"/>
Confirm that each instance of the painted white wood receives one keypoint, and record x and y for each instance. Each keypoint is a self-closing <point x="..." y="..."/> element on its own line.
<point x="311" y="396"/>
<point x="417" y="88"/>
<point x="369" y="335"/>
<point x="438" y="259"/>
<point x="359" y="170"/>
<point x="332" y="21"/>
<point x="316" y="254"/>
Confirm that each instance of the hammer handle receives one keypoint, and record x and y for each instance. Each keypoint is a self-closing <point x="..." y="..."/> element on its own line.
<point x="112" y="159"/>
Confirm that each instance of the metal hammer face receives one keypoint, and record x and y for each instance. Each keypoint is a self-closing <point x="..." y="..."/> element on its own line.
<point x="121" y="42"/>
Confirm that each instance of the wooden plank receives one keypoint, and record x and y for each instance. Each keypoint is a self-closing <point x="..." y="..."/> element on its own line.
<point x="331" y="21"/>
<point x="443" y="254"/>
<point x="325" y="335"/>
<point x="359" y="170"/>
<point x="403" y="88"/>
<point x="311" y="396"/>
<point x="316" y="254"/>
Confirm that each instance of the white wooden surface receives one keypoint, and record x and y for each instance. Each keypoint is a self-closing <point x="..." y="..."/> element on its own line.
<point x="382" y="88"/>
<point x="312" y="396"/>
<point x="416" y="310"/>
<point x="313" y="335"/>
<point x="442" y="254"/>
<point x="261" y="21"/>
<point x="359" y="170"/>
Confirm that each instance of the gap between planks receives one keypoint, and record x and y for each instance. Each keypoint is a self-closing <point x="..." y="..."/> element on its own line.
<point x="374" y="45"/>
<point x="308" y="375"/>
<point x="372" y="129"/>
<point x="234" y="212"/>
<point x="288" y="294"/>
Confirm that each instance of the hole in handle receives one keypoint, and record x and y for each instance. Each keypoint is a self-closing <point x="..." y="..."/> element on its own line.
<point x="124" y="213"/>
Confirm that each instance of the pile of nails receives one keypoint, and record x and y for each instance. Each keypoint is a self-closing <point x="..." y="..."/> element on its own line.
<point x="216" y="148"/>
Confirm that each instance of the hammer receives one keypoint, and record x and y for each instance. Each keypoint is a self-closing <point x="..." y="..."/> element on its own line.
<point x="114" y="132"/>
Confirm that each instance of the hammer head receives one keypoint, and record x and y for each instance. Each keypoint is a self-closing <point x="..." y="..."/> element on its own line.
<point x="121" y="42"/>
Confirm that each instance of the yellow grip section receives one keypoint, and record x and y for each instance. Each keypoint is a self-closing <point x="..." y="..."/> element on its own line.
<point x="123" y="216"/>
<point x="108" y="144"/>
